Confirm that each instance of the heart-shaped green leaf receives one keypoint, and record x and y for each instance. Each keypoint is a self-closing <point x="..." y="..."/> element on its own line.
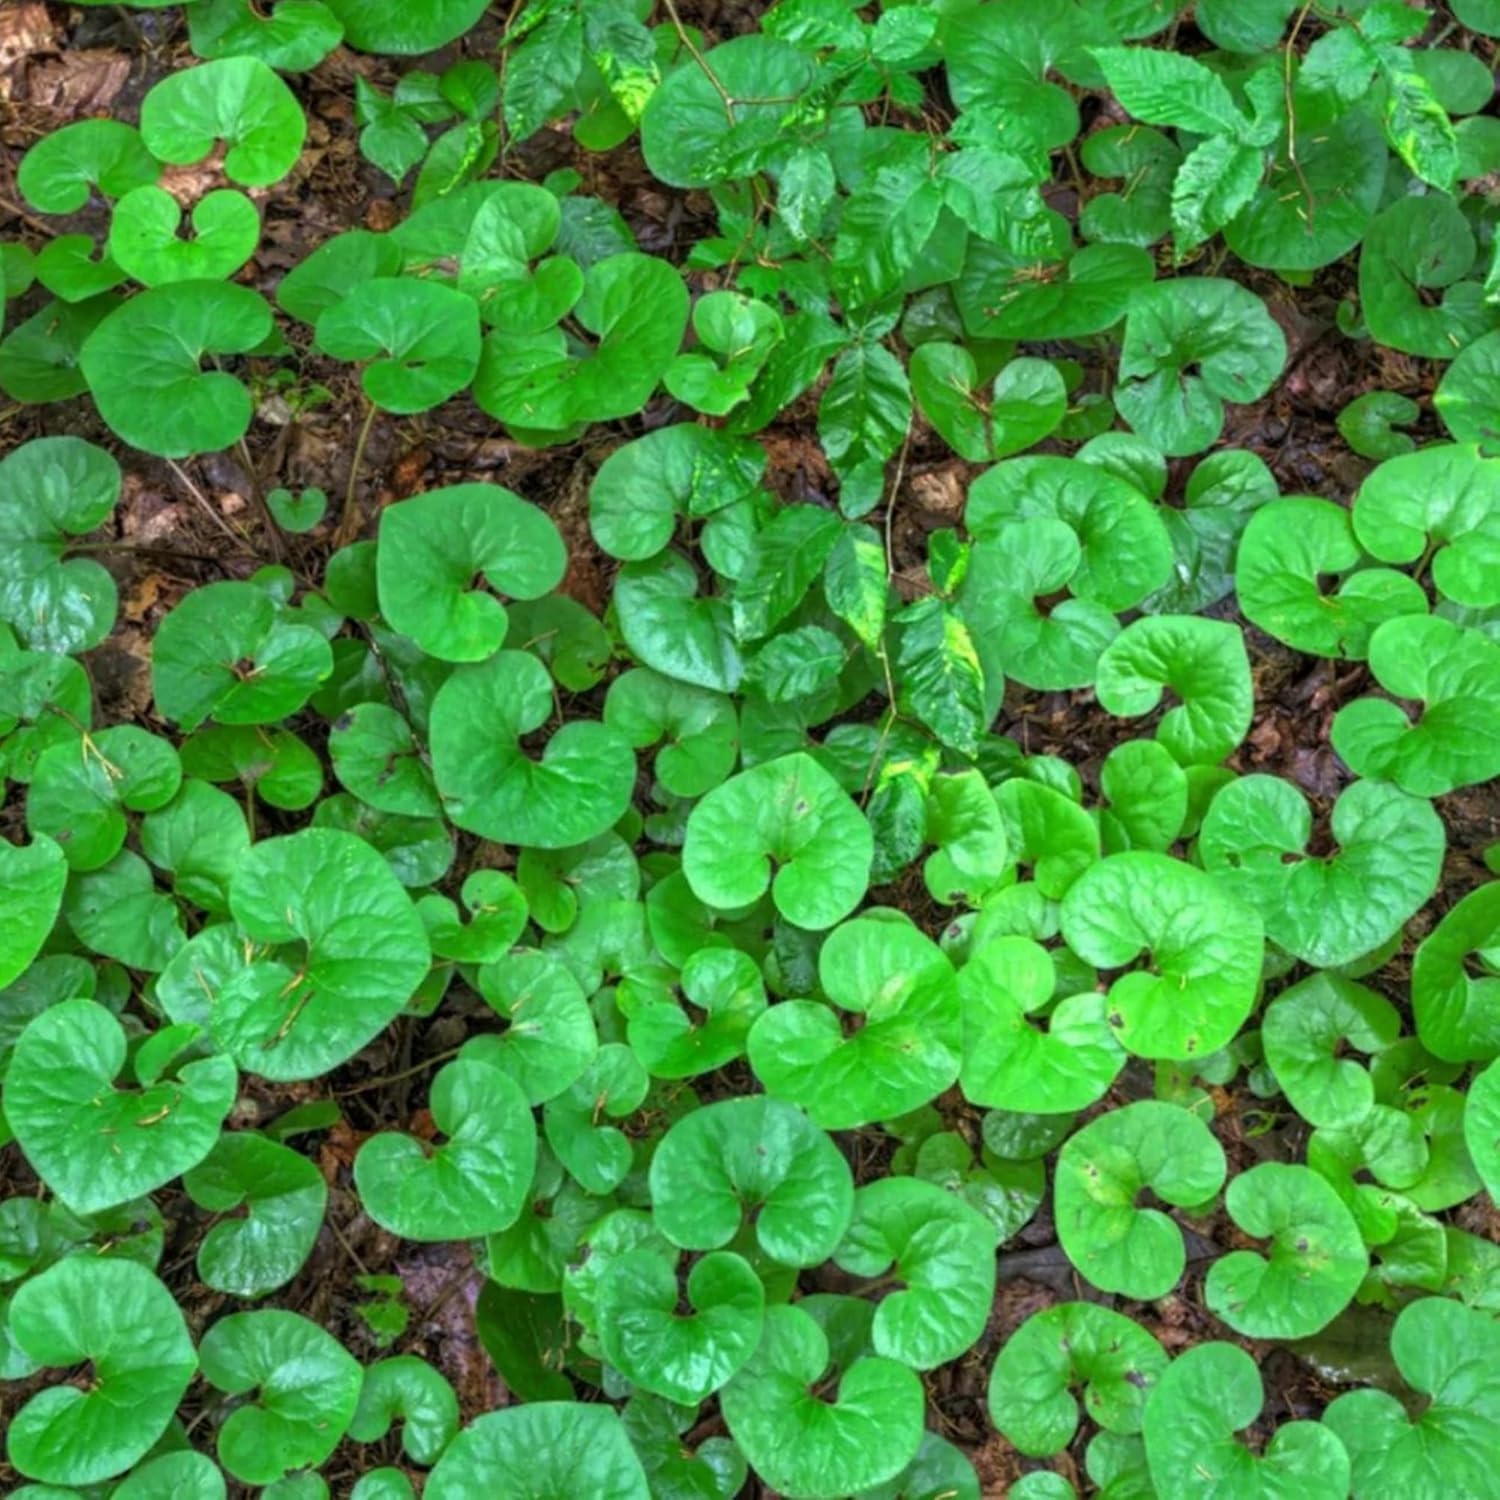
<point x="724" y="986"/>
<point x="1135" y="1252"/>
<point x="116" y="1316"/>
<point x="421" y="1396"/>
<point x="1202" y="661"/>
<point x="238" y="100"/>
<point x="940" y="1251"/>
<point x="1456" y="674"/>
<point x="144" y="240"/>
<point x="1327" y="910"/>
<point x="550" y="1450"/>
<point x="32" y="878"/>
<point x="1450" y="1355"/>
<point x="474" y="1182"/>
<point x="51" y="489"/>
<point x="810" y="1448"/>
<point x="57" y="174"/>
<point x="1218" y="330"/>
<point x="670" y="629"/>
<point x="1314" y="1264"/>
<point x="1304" y="1030"/>
<point x="550" y="1038"/>
<point x="1288" y="548"/>
<point x="1455" y="990"/>
<point x="430" y="550"/>
<point x="683" y="470"/>
<point x="1009" y="1062"/>
<point x="1206" y="949"/>
<point x="906" y="1052"/>
<point x="420" y="341"/>
<point x="790" y="811"/>
<point x="491" y="786"/>
<point x="283" y="1195"/>
<point x="757" y="1155"/>
<point x="339" y="950"/>
<point x="96" y="1145"/>
<point x="1203" y="1398"/>
<point x="1443" y="504"/>
<point x="141" y="363"/>
<point x="303" y="1384"/>
<point x="683" y="1358"/>
<point x="1117" y="1362"/>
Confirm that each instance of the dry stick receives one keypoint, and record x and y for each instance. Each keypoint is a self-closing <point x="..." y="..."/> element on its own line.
<point x="29" y="220"/>
<point x="377" y="1083"/>
<point x="692" y="51"/>
<point x="203" y="501"/>
<point x="257" y="494"/>
<point x="349" y="520"/>
<point x="349" y="1249"/>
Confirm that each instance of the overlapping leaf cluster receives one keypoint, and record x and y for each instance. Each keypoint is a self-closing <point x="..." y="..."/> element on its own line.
<point x="789" y="990"/>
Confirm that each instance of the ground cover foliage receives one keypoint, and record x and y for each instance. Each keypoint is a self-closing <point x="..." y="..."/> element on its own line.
<point x="750" y="750"/>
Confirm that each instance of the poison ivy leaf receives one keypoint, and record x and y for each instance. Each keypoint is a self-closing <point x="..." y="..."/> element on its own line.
<point x="1203" y="1398"/>
<point x="1327" y="910"/>
<point x="545" y="1450"/>
<point x="1315" y="1262"/>
<point x="1118" y="1247"/>
<point x="1289" y="548"/>
<point x="1456" y="674"/>
<point x="284" y="1196"/>
<point x="752" y="1155"/>
<point x="862" y="418"/>
<point x="238" y="100"/>
<point x="1450" y="1355"/>
<point x="1216" y="328"/>
<point x="1009" y="1061"/>
<point x="58" y="173"/>
<point x="492" y="787"/>
<point x="1202" y="661"/>
<point x="141" y="362"/>
<point x="304" y="1386"/>
<point x="940" y="671"/>
<point x="471" y="1185"/>
<point x="940" y="1251"/>
<point x="116" y="1316"/>
<point x="692" y="137"/>
<point x="1117" y="1362"/>
<point x="792" y="811"/>
<point x="96" y="1145"/>
<point x="432" y="547"/>
<point x="812" y="1448"/>
<point x="420" y="340"/>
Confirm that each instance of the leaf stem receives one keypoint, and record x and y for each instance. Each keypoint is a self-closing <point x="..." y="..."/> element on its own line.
<point x="691" y="47"/>
<point x="348" y="521"/>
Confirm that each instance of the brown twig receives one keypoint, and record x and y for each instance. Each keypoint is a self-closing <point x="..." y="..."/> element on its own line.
<point x="348" y="526"/>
